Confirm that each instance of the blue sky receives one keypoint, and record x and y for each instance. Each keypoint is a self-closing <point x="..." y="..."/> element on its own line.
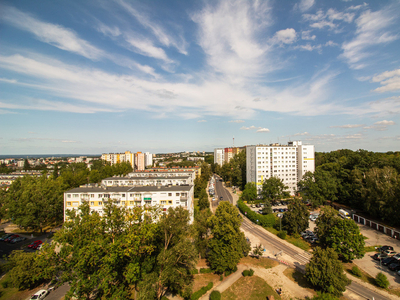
<point x="164" y="76"/>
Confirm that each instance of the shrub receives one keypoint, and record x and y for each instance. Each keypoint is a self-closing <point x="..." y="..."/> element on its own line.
<point x="215" y="295"/>
<point x="221" y="277"/>
<point x="245" y="273"/>
<point x="251" y="272"/>
<point x="356" y="271"/>
<point x="205" y="270"/>
<point x="5" y="284"/>
<point x="381" y="280"/>
<point x="202" y="291"/>
<point x="229" y="272"/>
<point x="282" y="234"/>
<point x="194" y="271"/>
<point x="164" y="298"/>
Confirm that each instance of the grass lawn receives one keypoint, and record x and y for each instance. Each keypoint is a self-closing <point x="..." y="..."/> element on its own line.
<point x="259" y="262"/>
<point x="201" y="280"/>
<point x="299" y="278"/>
<point x="10" y="293"/>
<point x="298" y="242"/>
<point x="249" y="288"/>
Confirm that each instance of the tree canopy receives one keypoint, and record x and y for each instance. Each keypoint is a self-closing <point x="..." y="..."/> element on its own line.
<point x="274" y="189"/>
<point x="249" y="192"/>
<point x="325" y="272"/>
<point x="228" y="244"/>
<point x="295" y="220"/>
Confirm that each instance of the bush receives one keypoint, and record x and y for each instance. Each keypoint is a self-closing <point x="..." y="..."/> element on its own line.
<point x="221" y="277"/>
<point x="215" y="295"/>
<point x="229" y="272"/>
<point x="356" y="271"/>
<point x="205" y="270"/>
<point x="202" y="291"/>
<point x="263" y="220"/>
<point x="251" y="271"/>
<point x="194" y="271"/>
<point x="381" y="280"/>
<point x="164" y="298"/>
<point x="282" y="234"/>
<point x="245" y="273"/>
<point x="5" y="284"/>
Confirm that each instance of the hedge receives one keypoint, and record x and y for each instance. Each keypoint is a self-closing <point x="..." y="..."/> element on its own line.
<point x="248" y="272"/>
<point x="215" y="295"/>
<point x="263" y="220"/>
<point x="201" y="292"/>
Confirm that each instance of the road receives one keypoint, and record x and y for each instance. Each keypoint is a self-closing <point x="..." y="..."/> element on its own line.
<point x="300" y="257"/>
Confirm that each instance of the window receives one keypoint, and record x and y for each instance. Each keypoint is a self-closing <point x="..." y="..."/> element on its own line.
<point x="169" y="201"/>
<point x="68" y="195"/>
<point x="91" y="195"/>
<point x="131" y="202"/>
<point x="68" y="203"/>
<point x="169" y="194"/>
<point x="163" y="202"/>
<point x="76" y="195"/>
<point x="177" y="194"/>
<point x="91" y="203"/>
<point x="123" y="203"/>
<point x="123" y="195"/>
<point x="100" y="195"/>
<point x="100" y="203"/>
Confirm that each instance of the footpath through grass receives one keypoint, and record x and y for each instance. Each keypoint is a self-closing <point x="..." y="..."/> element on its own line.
<point x="249" y="288"/>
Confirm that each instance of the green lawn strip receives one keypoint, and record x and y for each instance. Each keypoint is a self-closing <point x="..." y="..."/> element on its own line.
<point x="299" y="278"/>
<point x="249" y="288"/>
<point x="11" y="293"/>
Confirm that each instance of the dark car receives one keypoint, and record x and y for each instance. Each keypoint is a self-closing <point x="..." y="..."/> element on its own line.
<point x="395" y="266"/>
<point x="220" y="198"/>
<point x="389" y="260"/>
<point x="6" y="236"/>
<point x="11" y="237"/>
<point x="17" y="240"/>
<point x="384" y="248"/>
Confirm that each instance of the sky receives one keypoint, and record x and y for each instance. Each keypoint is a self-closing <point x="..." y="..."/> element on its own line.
<point x="92" y="77"/>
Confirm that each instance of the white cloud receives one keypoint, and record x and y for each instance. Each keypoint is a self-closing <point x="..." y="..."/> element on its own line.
<point x="321" y="20"/>
<point x="158" y="31"/>
<point x="389" y="79"/>
<point x="56" y="35"/>
<point x="384" y="123"/>
<point x="304" y="5"/>
<point x="145" y="47"/>
<point x="263" y="130"/>
<point x="113" y="31"/>
<point x="372" y="29"/>
<point x="236" y="121"/>
<point x="248" y="128"/>
<point x="301" y="134"/>
<point x="306" y="35"/>
<point x="347" y="126"/>
<point x="201" y="121"/>
<point x="355" y="136"/>
<point x="286" y="36"/>
<point x="330" y="43"/>
<point x="308" y="47"/>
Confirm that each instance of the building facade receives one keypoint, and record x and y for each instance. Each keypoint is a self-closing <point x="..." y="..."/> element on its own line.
<point x="287" y="162"/>
<point x="115" y="158"/>
<point x="219" y="156"/>
<point x="147" y="181"/>
<point x="129" y="197"/>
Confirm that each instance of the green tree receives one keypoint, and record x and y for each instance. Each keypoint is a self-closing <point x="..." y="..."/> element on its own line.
<point x="381" y="280"/>
<point x="273" y="189"/>
<point x="295" y="220"/>
<point x="202" y="231"/>
<point x="203" y="200"/>
<point x="175" y="259"/>
<point x="249" y="192"/>
<point x="325" y="221"/>
<point x="258" y="251"/>
<point x="103" y="255"/>
<point x="4" y="169"/>
<point x="228" y="244"/>
<point x="27" y="166"/>
<point x="325" y="272"/>
<point x="345" y="238"/>
<point x="35" y="202"/>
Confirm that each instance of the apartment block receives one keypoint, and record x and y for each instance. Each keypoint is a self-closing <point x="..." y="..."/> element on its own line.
<point x="287" y="162"/>
<point x="160" y="196"/>
<point x="148" y="180"/>
<point x="219" y="156"/>
<point x="115" y="158"/>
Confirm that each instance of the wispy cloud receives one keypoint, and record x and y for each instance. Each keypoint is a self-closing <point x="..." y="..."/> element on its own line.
<point x="306" y="35"/>
<point x="263" y="130"/>
<point x="304" y="5"/>
<point x="201" y="121"/>
<point x="389" y="79"/>
<point x="381" y="125"/>
<point x="236" y="121"/>
<point x="145" y="47"/>
<point x="373" y="28"/>
<point x="348" y="126"/>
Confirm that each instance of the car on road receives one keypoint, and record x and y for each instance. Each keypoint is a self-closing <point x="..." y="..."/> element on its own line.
<point x="221" y="198"/>
<point x="39" y="295"/>
<point x="35" y="244"/>
<point x="17" y="240"/>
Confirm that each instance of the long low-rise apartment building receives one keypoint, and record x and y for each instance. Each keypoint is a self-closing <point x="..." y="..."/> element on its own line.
<point x="162" y="196"/>
<point x="147" y="181"/>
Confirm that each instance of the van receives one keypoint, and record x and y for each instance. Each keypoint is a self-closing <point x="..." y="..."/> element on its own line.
<point x="344" y="214"/>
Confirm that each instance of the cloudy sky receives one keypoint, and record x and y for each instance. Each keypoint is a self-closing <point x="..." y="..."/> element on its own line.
<point x="89" y="77"/>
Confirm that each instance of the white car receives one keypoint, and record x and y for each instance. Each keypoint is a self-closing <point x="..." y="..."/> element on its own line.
<point x="39" y="295"/>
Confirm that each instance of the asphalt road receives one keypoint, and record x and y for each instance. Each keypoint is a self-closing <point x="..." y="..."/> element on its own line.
<point x="301" y="257"/>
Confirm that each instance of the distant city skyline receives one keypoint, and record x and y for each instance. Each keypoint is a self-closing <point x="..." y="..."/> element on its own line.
<point x="93" y="77"/>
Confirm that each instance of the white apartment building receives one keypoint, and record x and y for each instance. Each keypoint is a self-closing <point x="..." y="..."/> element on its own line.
<point x="161" y="196"/>
<point x="115" y="158"/>
<point x="219" y="156"/>
<point x="287" y="162"/>
<point x="147" y="181"/>
<point x="167" y="174"/>
<point x="148" y="159"/>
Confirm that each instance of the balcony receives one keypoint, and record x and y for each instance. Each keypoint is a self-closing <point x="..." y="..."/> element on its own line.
<point x="183" y="198"/>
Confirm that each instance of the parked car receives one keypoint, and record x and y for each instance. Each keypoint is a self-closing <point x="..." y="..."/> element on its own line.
<point x="39" y="295"/>
<point x="17" y="240"/>
<point x="384" y="248"/>
<point x="35" y="244"/>
<point x="220" y="198"/>
<point x="379" y="256"/>
<point x="389" y="260"/>
<point x="6" y="236"/>
<point x="395" y="266"/>
<point x="389" y="252"/>
<point x="11" y="237"/>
